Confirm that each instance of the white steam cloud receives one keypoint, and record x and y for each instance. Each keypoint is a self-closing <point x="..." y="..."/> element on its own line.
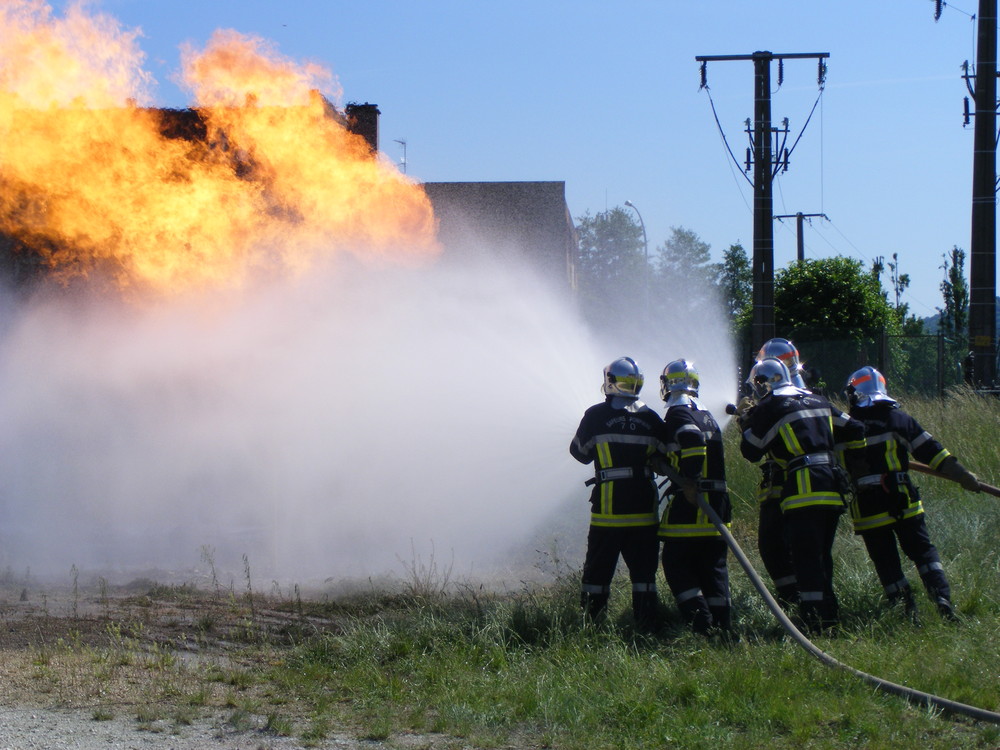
<point x="332" y="427"/>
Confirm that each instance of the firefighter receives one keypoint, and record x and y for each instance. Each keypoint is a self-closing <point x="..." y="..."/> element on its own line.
<point x="802" y="432"/>
<point x="774" y="550"/>
<point x="694" y="552"/>
<point x="887" y="508"/>
<point x="784" y="350"/>
<point x="619" y="436"/>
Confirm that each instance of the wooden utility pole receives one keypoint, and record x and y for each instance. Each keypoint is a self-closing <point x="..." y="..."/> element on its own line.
<point x="762" y="326"/>
<point x="983" y="249"/>
<point x="800" y="248"/>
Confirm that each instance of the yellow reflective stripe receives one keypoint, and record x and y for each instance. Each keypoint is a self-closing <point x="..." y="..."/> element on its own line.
<point x="604" y="455"/>
<point x="698" y="450"/>
<point x="892" y="461"/>
<point x="677" y="531"/>
<point x="607" y="491"/>
<point x="936" y="461"/>
<point x="803" y="481"/>
<point x="790" y="440"/>
<point x="638" y="519"/>
<point x="873" y="522"/>
<point x="811" y="498"/>
<point x="607" y="488"/>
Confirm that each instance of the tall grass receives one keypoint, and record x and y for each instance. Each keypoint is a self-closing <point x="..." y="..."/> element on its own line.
<point x="524" y="670"/>
<point x="521" y="669"/>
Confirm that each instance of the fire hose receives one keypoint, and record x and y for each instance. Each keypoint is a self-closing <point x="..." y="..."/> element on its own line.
<point x="799" y="637"/>
<point x="925" y="469"/>
<point x="884" y="685"/>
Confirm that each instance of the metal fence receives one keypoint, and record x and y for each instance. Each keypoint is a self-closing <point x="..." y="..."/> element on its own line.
<point x="927" y="364"/>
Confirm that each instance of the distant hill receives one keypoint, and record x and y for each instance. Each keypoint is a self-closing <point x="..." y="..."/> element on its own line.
<point x="931" y="323"/>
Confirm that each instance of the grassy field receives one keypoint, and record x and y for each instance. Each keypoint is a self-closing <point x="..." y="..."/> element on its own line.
<point x="465" y="667"/>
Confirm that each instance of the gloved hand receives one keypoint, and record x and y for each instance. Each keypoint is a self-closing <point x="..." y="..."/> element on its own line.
<point x="744" y="406"/>
<point x="690" y="489"/>
<point x="952" y="469"/>
<point x="969" y="481"/>
<point x="743" y="409"/>
<point x="659" y="464"/>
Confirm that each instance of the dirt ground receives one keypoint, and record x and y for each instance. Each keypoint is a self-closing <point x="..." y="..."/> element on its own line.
<point x="125" y="667"/>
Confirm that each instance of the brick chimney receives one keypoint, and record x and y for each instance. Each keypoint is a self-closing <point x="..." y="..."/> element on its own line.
<point x="362" y="119"/>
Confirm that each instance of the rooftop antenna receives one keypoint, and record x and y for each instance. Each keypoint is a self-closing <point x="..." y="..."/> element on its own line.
<point x="402" y="142"/>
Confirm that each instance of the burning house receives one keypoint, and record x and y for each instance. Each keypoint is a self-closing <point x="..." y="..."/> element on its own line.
<point x="145" y="195"/>
<point x="165" y="199"/>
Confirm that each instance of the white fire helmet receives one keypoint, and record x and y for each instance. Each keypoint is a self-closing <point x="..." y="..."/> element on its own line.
<point x="771" y="376"/>
<point x="784" y="350"/>
<point x="622" y="378"/>
<point x="867" y="386"/>
<point x="679" y="379"/>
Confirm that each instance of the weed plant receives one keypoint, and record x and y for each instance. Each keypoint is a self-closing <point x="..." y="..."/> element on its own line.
<point x="524" y="670"/>
<point x="521" y="669"/>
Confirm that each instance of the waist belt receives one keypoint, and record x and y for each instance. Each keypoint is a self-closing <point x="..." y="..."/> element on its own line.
<point x="823" y="458"/>
<point x="712" y="485"/>
<point x="880" y="480"/>
<point x="625" y="472"/>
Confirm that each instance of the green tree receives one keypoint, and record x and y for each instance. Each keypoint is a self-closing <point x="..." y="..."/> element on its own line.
<point x="734" y="277"/>
<point x="836" y="312"/>
<point x="684" y="275"/>
<point x="612" y="270"/>
<point x="832" y="296"/>
<point x="954" y="320"/>
<point x="955" y="315"/>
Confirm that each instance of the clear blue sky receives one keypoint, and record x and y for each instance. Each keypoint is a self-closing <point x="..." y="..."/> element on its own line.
<point x="605" y="96"/>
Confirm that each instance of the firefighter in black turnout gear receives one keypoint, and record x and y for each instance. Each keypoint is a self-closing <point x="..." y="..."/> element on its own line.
<point x="694" y="552"/>
<point x="619" y="436"/>
<point x="802" y="432"/>
<point x="771" y="541"/>
<point x="887" y="507"/>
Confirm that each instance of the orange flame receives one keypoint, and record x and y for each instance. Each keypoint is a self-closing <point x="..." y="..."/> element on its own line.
<point x="266" y="178"/>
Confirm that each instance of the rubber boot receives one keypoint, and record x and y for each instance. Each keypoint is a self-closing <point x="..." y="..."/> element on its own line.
<point x="593" y="605"/>
<point x="722" y="619"/>
<point x="946" y="608"/>
<point x="644" y="605"/>
<point x="696" y="614"/>
<point x="787" y="596"/>
<point x="811" y="614"/>
<point x="904" y="596"/>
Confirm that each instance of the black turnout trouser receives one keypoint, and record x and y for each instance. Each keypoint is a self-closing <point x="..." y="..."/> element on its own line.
<point x="915" y="542"/>
<point x="696" y="571"/>
<point x="775" y="553"/>
<point x="638" y="546"/>
<point x="810" y="532"/>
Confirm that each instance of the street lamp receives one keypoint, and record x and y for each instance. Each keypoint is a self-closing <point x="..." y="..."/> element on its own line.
<point x="402" y="142"/>
<point x="645" y="243"/>
<point x="645" y="250"/>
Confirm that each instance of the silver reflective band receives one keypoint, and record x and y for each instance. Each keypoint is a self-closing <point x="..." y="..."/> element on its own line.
<point x="872" y="480"/>
<point x="712" y="485"/>
<point x="900" y="477"/>
<point x="900" y="585"/>
<point x="811" y="459"/>
<point x="686" y="595"/>
<point x="606" y="475"/>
